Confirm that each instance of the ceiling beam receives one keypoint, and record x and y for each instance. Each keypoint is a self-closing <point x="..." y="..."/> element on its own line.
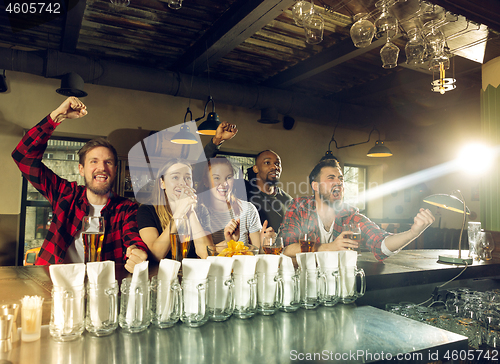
<point x="330" y="57"/>
<point x="239" y="23"/>
<point x="72" y="25"/>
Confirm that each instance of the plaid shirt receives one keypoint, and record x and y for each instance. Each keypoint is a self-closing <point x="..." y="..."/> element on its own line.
<point x="301" y="218"/>
<point x="70" y="204"/>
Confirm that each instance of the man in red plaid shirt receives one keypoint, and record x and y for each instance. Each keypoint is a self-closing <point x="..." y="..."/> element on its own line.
<point x="71" y="202"/>
<point x="324" y="214"/>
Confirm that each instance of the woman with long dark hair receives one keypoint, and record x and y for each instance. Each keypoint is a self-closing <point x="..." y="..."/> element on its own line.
<point x="174" y="197"/>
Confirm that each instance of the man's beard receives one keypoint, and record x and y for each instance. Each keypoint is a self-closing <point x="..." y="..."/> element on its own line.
<point x="334" y="204"/>
<point x="104" y="190"/>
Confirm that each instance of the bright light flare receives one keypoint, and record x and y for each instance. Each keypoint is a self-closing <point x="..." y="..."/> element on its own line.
<point x="479" y="157"/>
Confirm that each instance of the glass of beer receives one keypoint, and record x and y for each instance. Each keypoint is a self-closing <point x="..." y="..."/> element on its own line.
<point x="93" y="237"/>
<point x="272" y="245"/>
<point x="355" y="233"/>
<point x="307" y="242"/>
<point x="180" y="238"/>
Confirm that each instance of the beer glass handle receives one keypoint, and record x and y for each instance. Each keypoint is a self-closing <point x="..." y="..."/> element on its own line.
<point x="253" y="293"/>
<point x="201" y="301"/>
<point x="336" y="275"/>
<point x="322" y="285"/>
<point x="229" y="283"/>
<point x="296" y="287"/>
<point x="139" y="304"/>
<point x="111" y="293"/>
<point x="68" y="299"/>
<point x="176" y="291"/>
<point x="361" y="273"/>
<point x="279" y="290"/>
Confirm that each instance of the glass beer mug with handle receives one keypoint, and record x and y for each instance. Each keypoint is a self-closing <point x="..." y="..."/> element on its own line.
<point x="180" y="238"/>
<point x="93" y="237"/>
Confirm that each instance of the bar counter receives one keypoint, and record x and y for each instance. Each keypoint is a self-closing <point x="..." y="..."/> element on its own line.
<point x="281" y="338"/>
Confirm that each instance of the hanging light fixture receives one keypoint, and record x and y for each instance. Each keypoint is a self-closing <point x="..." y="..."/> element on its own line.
<point x="209" y="126"/>
<point x="378" y="151"/>
<point x="184" y="136"/>
<point x="72" y="85"/>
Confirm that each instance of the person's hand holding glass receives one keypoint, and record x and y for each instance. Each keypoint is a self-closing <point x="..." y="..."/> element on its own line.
<point x="93" y="237"/>
<point x="355" y="233"/>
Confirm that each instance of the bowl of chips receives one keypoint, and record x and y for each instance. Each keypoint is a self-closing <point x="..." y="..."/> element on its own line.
<point x="232" y="248"/>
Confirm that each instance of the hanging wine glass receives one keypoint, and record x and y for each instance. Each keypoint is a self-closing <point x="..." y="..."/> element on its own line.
<point x="439" y="62"/>
<point x="389" y="55"/>
<point x="415" y="48"/>
<point x="435" y="41"/>
<point x="362" y="31"/>
<point x="301" y="10"/>
<point x="386" y="25"/>
<point x="314" y="26"/>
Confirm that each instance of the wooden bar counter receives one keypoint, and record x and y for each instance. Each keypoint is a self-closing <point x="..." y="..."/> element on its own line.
<point x="361" y="331"/>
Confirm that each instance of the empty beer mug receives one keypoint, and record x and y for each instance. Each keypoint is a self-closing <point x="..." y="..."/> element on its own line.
<point x="348" y="286"/>
<point x="135" y="313"/>
<point x="102" y="308"/>
<point x="289" y="299"/>
<point x="165" y="302"/>
<point x="194" y="302"/>
<point x="220" y="297"/>
<point x="329" y="287"/>
<point x="245" y="295"/>
<point x="67" y="316"/>
<point x="267" y="292"/>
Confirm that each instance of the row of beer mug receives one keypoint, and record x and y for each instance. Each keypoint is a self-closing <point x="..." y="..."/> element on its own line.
<point x="195" y="301"/>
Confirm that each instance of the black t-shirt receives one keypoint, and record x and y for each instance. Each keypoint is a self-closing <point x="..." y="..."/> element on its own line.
<point x="147" y="217"/>
<point x="271" y="207"/>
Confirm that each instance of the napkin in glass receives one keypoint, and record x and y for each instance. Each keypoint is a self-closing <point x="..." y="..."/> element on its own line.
<point x="194" y="272"/>
<point x="68" y="277"/>
<point x="140" y="278"/>
<point x="101" y="274"/>
<point x="220" y="269"/>
<point x="266" y="285"/>
<point x="307" y="261"/>
<point x="167" y="272"/>
<point x="347" y="264"/>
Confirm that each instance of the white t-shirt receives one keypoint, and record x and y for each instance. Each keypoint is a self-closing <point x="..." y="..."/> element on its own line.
<point x="75" y="253"/>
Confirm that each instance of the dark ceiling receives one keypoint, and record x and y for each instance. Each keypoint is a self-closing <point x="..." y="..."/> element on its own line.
<point x="256" y="43"/>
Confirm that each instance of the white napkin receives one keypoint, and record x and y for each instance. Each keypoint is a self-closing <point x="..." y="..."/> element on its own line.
<point x="167" y="272"/>
<point x="102" y="274"/>
<point x="140" y="278"/>
<point x="287" y="271"/>
<point x="347" y="263"/>
<point x="243" y="268"/>
<point x="244" y="264"/>
<point x="266" y="285"/>
<point x="327" y="263"/>
<point x="68" y="277"/>
<point x="220" y="269"/>
<point x="194" y="271"/>
<point x="307" y="261"/>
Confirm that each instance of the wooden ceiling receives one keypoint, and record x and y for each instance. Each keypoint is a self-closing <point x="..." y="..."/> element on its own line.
<point x="256" y="42"/>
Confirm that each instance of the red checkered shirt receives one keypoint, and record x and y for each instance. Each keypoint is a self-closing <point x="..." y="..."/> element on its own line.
<point x="301" y="218"/>
<point x="70" y="204"/>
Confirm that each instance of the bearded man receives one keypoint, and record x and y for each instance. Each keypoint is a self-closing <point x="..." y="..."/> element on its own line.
<point x="322" y="216"/>
<point x="70" y="202"/>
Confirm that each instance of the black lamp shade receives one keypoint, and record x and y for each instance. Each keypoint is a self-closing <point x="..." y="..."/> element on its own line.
<point x="72" y="85"/>
<point x="184" y="136"/>
<point x="209" y="126"/>
<point x="379" y="150"/>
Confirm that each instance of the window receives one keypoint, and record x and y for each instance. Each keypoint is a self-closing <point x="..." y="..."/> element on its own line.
<point x="355" y="186"/>
<point x="36" y="212"/>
